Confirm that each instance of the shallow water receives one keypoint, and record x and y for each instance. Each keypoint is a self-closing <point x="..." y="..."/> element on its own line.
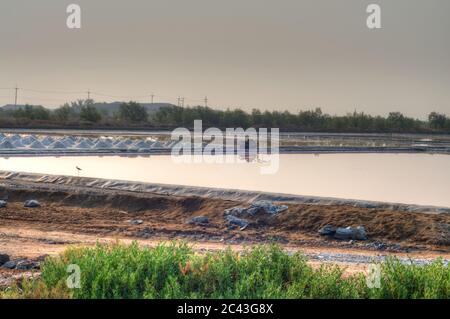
<point x="402" y="178"/>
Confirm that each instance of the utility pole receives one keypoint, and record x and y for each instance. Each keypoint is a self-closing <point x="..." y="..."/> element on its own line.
<point x="15" y="95"/>
<point x="179" y="101"/>
<point x="89" y="94"/>
<point x="182" y="102"/>
<point x="206" y="101"/>
<point x="152" y="97"/>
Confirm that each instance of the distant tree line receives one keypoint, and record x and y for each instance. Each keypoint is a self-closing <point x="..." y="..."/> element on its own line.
<point x="132" y="114"/>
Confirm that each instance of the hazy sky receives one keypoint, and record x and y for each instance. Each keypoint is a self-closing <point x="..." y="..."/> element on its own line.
<point x="279" y="54"/>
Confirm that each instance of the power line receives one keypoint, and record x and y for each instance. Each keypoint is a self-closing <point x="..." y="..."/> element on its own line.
<point x="15" y="95"/>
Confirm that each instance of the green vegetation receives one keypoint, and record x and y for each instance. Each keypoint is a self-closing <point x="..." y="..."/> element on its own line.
<point x="134" y="115"/>
<point x="176" y="271"/>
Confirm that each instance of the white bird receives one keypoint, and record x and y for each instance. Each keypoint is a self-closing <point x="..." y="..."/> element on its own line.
<point x="78" y="169"/>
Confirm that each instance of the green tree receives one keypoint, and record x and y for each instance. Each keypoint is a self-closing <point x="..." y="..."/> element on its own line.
<point x="88" y="112"/>
<point x="437" y="121"/>
<point x="132" y="112"/>
<point x="63" y="113"/>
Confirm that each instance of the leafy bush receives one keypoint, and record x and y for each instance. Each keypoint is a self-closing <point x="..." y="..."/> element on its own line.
<point x="176" y="271"/>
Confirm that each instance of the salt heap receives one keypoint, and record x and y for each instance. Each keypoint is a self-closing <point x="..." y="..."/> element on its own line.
<point x="157" y="145"/>
<point x="28" y="140"/>
<point x="18" y="144"/>
<point x="47" y="140"/>
<point x="141" y="144"/>
<point x="102" y="144"/>
<point x="67" y="141"/>
<point x="6" y="144"/>
<point x="83" y="145"/>
<point x="121" y="145"/>
<point x="170" y="144"/>
<point x="57" y="145"/>
<point x="14" y="137"/>
<point x="36" y="145"/>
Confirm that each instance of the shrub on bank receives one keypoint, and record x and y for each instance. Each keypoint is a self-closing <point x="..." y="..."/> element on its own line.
<point x="176" y="271"/>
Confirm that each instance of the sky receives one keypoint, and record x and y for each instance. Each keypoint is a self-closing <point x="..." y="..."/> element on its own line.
<point x="277" y="55"/>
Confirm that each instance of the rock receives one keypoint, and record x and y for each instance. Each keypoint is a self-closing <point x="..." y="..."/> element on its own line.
<point x="3" y="258"/>
<point x="9" y="264"/>
<point x="235" y="211"/>
<point x="268" y="207"/>
<point x="327" y="230"/>
<point x="198" y="220"/>
<point x="3" y="203"/>
<point x="27" y="265"/>
<point x="31" y="203"/>
<point x="233" y="220"/>
<point x="358" y="233"/>
<point x="258" y="206"/>
<point x="136" y="222"/>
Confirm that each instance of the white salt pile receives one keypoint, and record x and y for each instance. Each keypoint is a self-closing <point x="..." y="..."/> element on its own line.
<point x="67" y="141"/>
<point x="36" y="145"/>
<point x="47" y="140"/>
<point x="170" y="144"/>
<point x="121" y="145"/>
<point x="57" y="145"/>
<point x="28" y="139"/>
<point x="157" y="144"/>
<point x="82" y="145"/>
<point x="18" y="144"/>
<point x="129" y="141"/>
<point x="6" y="144"/>
<point x="102" y="144"/>
<point x="141" y="144"/>
<point x="14" y="137"/>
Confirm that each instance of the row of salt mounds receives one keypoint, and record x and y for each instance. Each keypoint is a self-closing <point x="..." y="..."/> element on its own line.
<point x="43" y="142"/>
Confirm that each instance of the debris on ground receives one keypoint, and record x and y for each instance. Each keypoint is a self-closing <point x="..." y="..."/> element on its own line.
<point x="268" y="207"/>
<point x="4" y="258"/>
<point x="327" y="230"/>
<point x="136" y="221"/>
<point x="233" y="220"/>
<point x="31" y="203"/>
<point x="358" y="233"/>
<point x="202" y="220"/>
<point x="256" y="207"/>
<point x="3" y="203"/>
<point x="344" y="233"/>
<point x="10" y="264"/>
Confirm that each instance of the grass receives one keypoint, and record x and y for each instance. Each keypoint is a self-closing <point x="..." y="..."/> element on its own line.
<point x="176" y="271"/>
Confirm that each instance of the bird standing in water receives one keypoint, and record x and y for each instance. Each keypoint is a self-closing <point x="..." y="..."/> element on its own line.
<point x="78" y="170"/>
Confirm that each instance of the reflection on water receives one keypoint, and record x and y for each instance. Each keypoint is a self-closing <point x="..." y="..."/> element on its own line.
<point x="406" y="178"/>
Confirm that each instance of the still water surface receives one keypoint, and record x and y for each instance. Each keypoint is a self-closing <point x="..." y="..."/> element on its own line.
<point x="403" y="178"/>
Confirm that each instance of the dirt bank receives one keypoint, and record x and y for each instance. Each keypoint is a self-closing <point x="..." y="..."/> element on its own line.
<point x="108" y="213"/>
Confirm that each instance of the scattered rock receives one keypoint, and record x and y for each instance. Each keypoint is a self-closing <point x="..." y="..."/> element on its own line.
<point x="257" y="207"/>
<point x="9" y="264"/>
<point x="32" y="203"/>
<point x="3" y="203"/>
<point x="235" y="211"/>
<point x="136" y="222"/>
<point x="198" y="220"/>
<point x="233" y="220"/>
<point x="27" y="265"/>
<point x="327" y="230"/>
<point x="268" y="207"/>
<point x="358" y="233"/>
<point x="3" y="258"/>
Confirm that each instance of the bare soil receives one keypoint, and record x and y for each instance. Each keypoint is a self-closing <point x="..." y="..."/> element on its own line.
<point x="78" y="217"/>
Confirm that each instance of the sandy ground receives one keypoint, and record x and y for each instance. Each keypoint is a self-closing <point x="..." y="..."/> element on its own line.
<point x="86" y="217"/>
